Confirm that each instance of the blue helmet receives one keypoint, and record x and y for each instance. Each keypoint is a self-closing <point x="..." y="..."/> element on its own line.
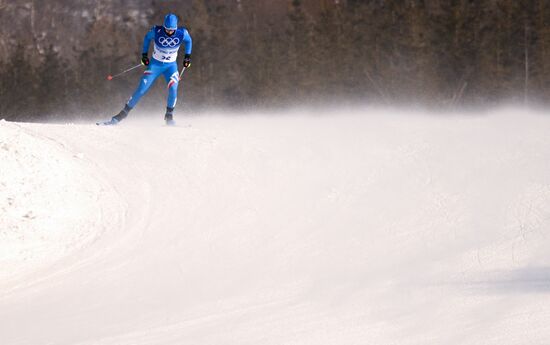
<point x="171" y="22"/>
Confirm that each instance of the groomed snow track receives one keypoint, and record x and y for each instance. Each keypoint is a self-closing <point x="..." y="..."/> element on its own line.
<point x="357" y="227"/>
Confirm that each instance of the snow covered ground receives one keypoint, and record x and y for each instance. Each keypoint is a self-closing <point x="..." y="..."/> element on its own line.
<point x="351" y="227"/>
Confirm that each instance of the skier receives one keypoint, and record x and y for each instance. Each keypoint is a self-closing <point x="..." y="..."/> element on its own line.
<point x="168" y="39"/>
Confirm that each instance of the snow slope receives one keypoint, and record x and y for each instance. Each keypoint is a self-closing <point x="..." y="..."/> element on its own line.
<point x="356" y="227"/>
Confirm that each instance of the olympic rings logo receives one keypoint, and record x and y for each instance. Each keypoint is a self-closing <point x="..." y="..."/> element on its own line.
<point x="169" y="41"/>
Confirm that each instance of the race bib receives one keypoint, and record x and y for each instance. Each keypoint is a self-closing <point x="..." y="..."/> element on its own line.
<point x="165" y="54"/>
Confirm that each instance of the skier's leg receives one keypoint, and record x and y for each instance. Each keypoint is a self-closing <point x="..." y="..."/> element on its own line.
<point x="172" y="78"/>
<point x="148" y="79"/>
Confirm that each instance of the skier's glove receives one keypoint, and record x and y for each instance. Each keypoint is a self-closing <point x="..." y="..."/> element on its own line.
<point x="187" y="61"/>
<point x="144" y="59"/>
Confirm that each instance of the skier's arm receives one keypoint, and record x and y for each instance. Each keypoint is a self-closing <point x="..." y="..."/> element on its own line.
<point x="188" y="43"/>
<point x="147" y="39"/>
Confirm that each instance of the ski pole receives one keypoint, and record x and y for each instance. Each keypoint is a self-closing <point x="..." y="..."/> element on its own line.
<point x="111" y="77"/>
<point x="182" y="70"/>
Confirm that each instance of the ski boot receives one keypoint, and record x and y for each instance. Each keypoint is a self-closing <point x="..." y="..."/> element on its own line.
<point x="117" y="118"/>
<point x="169" y="117"/>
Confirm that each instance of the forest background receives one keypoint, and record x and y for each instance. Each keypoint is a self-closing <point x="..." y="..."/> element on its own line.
<point x="55" y="55"/>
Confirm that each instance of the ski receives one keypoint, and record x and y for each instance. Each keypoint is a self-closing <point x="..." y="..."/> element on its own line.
<point x="110" y="122"/>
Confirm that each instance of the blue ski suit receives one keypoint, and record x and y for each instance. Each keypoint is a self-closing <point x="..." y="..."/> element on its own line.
<point x="163" y="62"/>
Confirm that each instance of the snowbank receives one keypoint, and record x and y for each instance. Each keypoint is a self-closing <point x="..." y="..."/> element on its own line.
<point x="50" y="201"/>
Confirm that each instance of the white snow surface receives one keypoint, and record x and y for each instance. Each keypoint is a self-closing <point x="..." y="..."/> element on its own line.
<point x="361" y="226"/>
